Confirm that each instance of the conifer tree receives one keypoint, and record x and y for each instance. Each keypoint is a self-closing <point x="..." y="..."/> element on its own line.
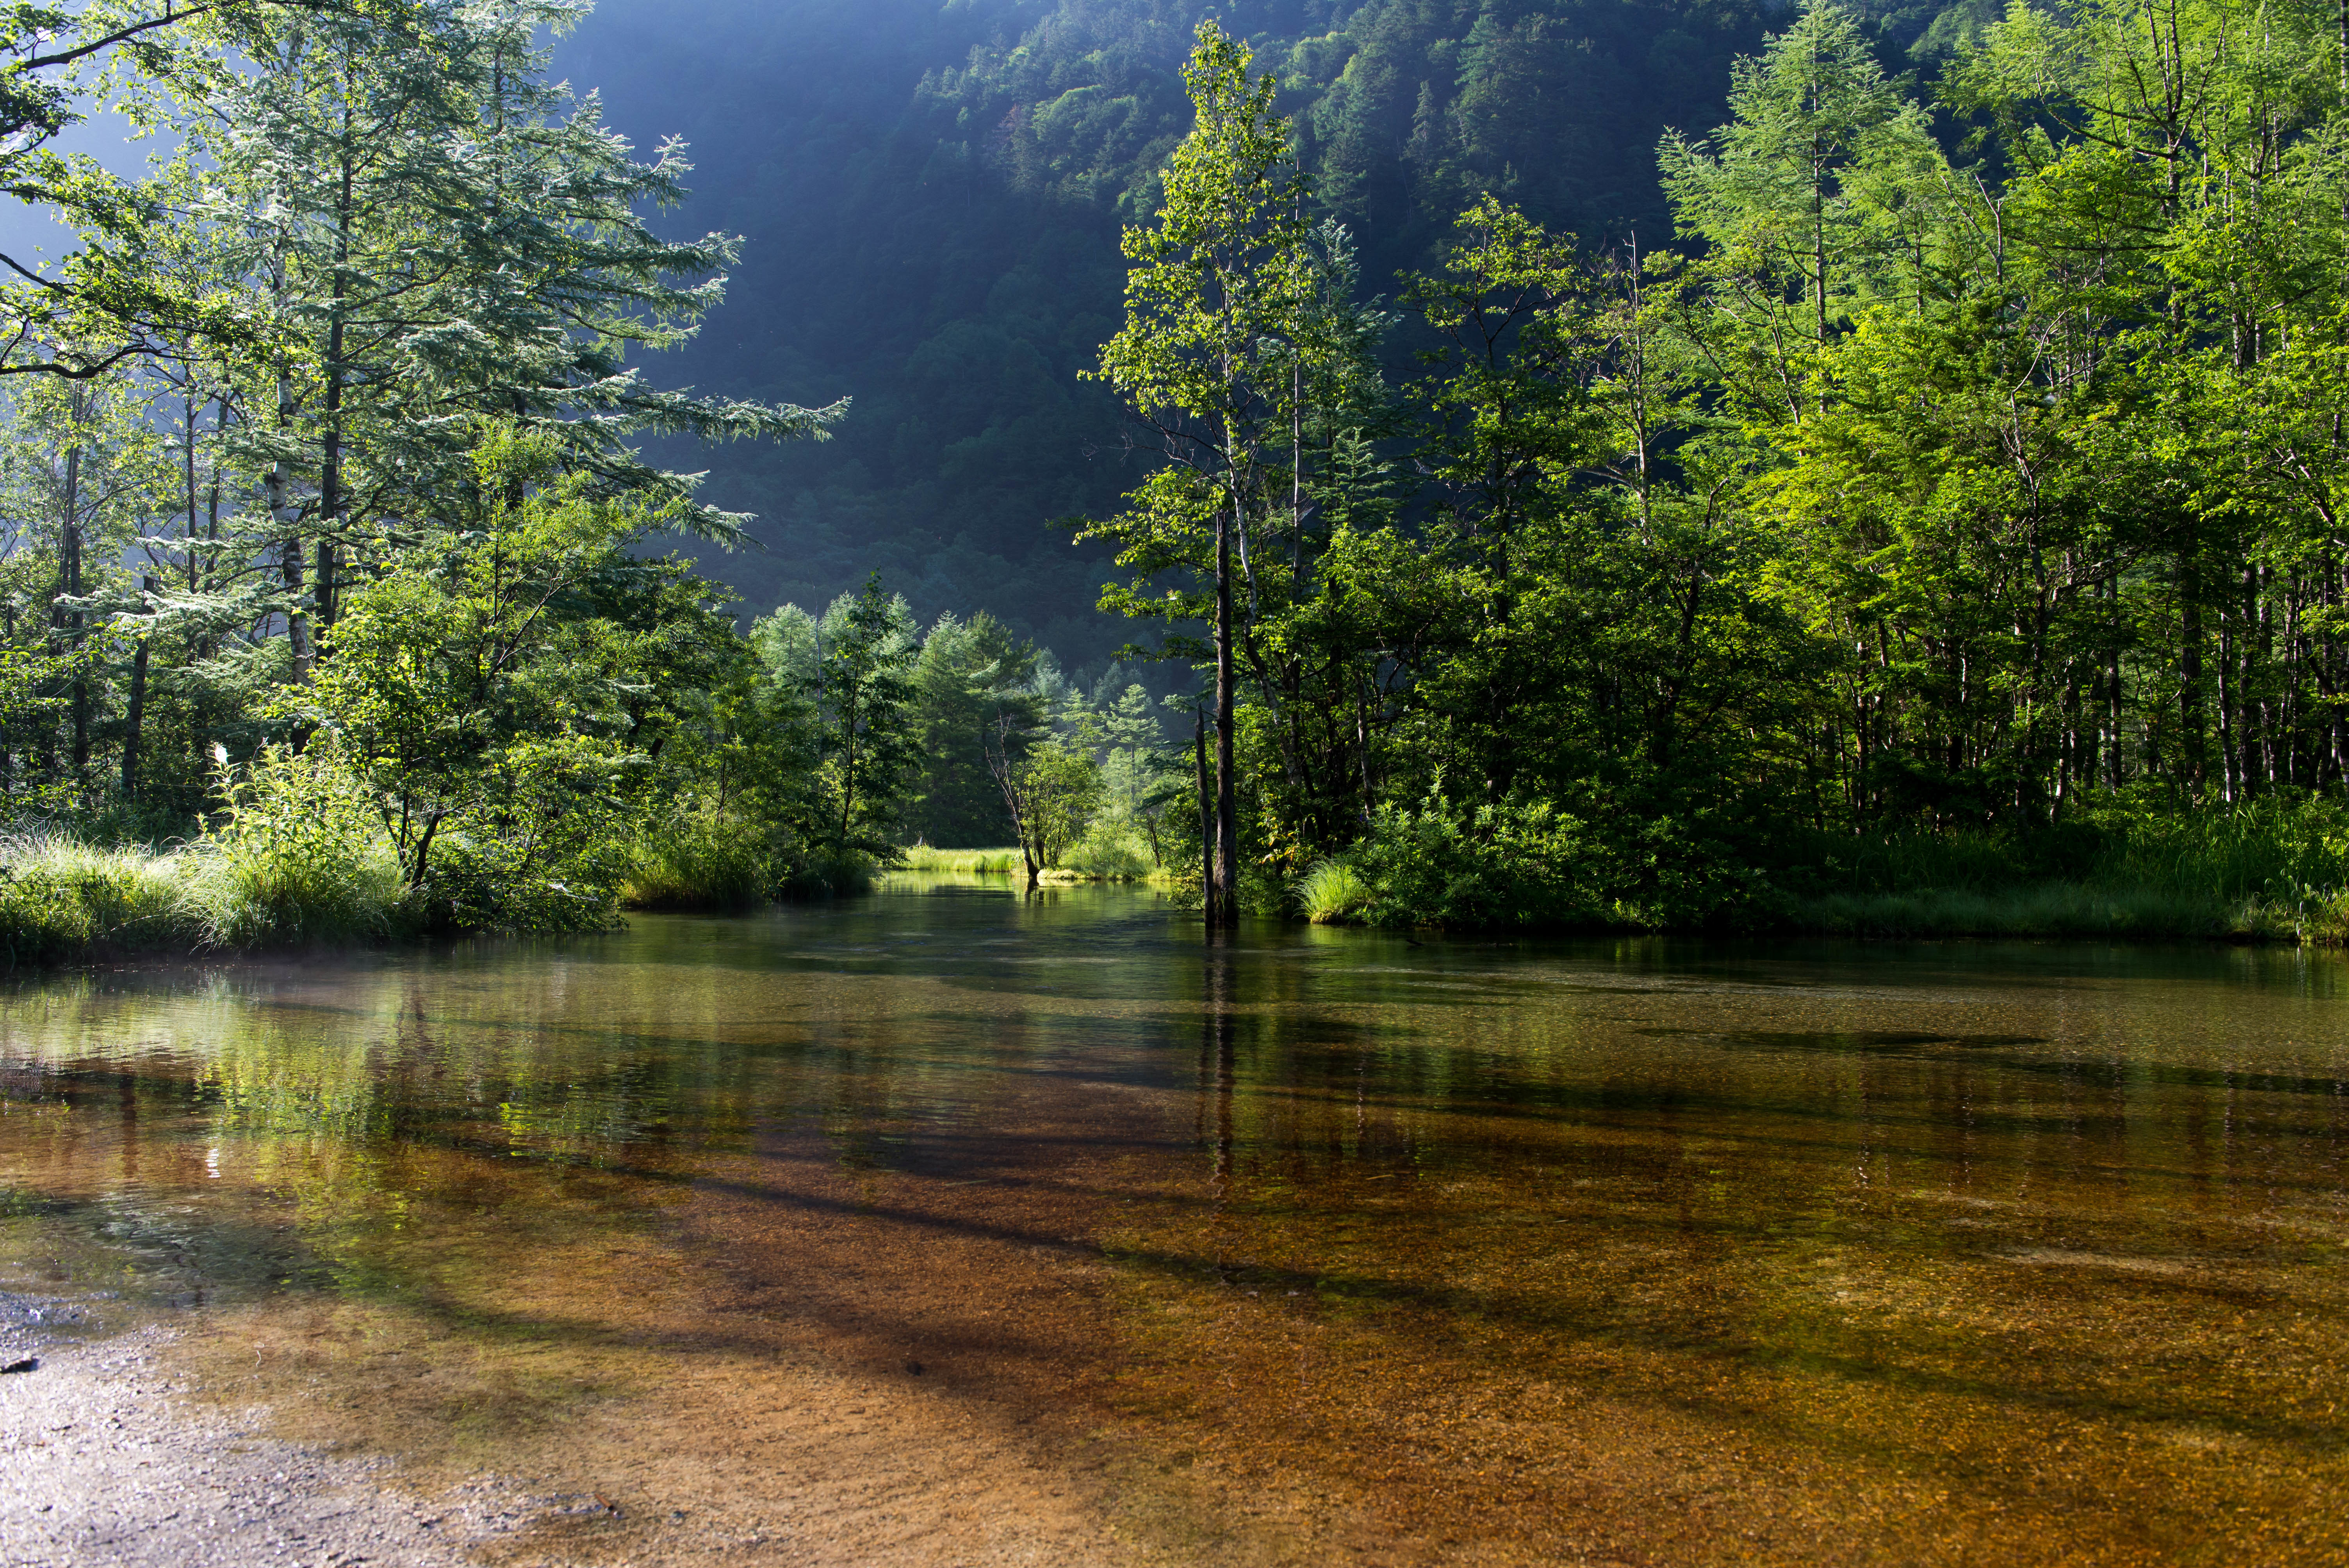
<point x="440" y="234"/>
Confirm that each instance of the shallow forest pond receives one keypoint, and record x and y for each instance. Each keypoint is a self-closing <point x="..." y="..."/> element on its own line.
<point x="942" y="1218"/>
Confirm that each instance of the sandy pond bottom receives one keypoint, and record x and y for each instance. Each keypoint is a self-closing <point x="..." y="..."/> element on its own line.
<point x="949" y="1227"/>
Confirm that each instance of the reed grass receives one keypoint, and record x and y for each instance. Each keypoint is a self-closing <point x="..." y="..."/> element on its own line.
<point x="699" y="860"/>
<point x="62" y="900"/>
<point x="1332" y="893"/>
<point x="968" y="863"/>
<point x="1108" y="853"/>
<point x="2046" y="910"/>
<point x="2272" y="871"/>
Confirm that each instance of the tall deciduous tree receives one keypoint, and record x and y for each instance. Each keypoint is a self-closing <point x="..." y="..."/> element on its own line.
<point x="861" y="679"/>
<point x="1219" y="278"/>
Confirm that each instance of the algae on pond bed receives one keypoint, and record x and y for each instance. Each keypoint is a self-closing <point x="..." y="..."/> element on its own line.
<point x="1316" y="1242"/>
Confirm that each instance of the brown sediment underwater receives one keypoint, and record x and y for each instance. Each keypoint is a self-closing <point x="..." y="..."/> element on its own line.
<point x="959" y="1227"/>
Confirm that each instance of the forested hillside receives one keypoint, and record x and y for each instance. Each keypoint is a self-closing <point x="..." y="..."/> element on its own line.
<point x="933" y="195"/>
<point x="1552" y="516"/>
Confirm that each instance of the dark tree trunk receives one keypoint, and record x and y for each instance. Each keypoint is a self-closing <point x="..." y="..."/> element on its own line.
<point x="135" y="715"/>
<point x="1223" y="894"/>
<point x="2192" y="741"/>
<point x="1206" y="815"/>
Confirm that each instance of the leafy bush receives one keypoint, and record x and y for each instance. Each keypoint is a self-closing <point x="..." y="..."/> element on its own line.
<point x="542" y="847"/>
<point x="1110" y="852"/>
<point x="497" y="883"/>
<point x="829" y="874"/>
<point x="1514" y="864"/>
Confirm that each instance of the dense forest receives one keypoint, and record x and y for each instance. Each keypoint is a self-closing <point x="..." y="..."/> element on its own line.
<point x="933" y="199"/>
<point x="1640" y="468"/>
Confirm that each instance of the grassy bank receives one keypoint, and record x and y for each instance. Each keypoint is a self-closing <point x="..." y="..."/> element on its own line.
<point x="2276" y="872"/>
<point x="965" y="862"/>
<point x="1094" y="859"/>
<point x="61" y="900"/>
<point x="2071" y="910"/>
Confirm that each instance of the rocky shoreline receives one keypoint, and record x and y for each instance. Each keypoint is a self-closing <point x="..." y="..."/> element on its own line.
<point x="108" y="1463"/>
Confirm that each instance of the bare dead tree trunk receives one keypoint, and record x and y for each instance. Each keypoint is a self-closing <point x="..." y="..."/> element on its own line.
<point x="69" y="551"/>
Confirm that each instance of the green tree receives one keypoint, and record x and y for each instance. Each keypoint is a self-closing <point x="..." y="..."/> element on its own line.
<point x="970" y="673"/>
<point x="1211" y="302"/>
<point x="485" y="704"/>
<point x="437" y="232"/>
<point x="80" y="476"/>
<point x="859" y="680"/>
<point x="1052" y="786"/>
<point x="1791" y="200"/>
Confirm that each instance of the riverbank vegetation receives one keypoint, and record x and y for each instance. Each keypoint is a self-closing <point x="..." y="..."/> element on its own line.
<point x="1942" y="535"/>
<point x="329" y="604"/>
<point x="1939" y="537"/>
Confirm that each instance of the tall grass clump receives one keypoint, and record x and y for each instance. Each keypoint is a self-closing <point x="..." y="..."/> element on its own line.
<point x="2269" y="870"/>
<point x="60" y="899"/>
<point x="1111" y="850"/>
<point x="2277" y="851"/>
<point x="925" y="859"/>
<point x="1332" y="893"/>
<point x="702" y="861"/>
<point x="299" y="859"/>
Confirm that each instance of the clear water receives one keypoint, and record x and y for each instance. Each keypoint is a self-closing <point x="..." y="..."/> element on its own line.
<point x="1311" y="1245"/>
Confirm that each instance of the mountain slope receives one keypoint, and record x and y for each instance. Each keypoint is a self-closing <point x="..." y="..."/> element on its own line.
<point x="933" y="195"/>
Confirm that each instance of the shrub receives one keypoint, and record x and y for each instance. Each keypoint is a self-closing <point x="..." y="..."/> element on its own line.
<point x="1513" y="864"/>
<point x="1109" y="852"/>
<point x="833" y="874"/>
<point x="43" y="918"/>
